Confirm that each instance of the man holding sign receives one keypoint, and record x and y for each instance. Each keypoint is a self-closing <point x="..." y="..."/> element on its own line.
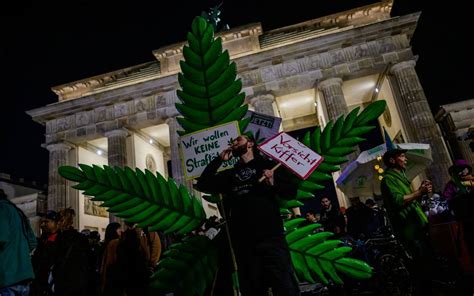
<point x="254" y="217"/>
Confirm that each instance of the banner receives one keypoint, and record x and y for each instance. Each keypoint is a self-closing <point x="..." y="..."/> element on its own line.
<point x="199" y="148"/>
<point x="293" y="154"/>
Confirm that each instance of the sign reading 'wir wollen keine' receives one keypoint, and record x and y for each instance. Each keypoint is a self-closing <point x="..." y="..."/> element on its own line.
<point x="199" y="148"/>
<point x="293" y="154"/>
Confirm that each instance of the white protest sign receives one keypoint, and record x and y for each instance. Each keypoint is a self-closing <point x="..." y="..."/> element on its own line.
<point x="199" y="148"/>
<point x="263" y="125"/>
<point x="293" y="154"/>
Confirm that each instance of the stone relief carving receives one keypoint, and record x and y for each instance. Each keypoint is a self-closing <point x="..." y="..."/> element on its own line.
<point x="361" y="51"/>
<point x="120" y="110"/>
<point x="62" y="124"/>
<point x="250" y="78"/>
<point x="82" y="119"/>
<point x="374" y="48"/>
<point x="324" y="61"/>
<point x="315" y="61"/>
<point x="142" y="105"/>
<point x="387" y="117"/>
<point x="170" y="98"/>
<point x="387" y="45"/>
<point x="150" y="115"/>
<point x="93" y="208"/>
<point x="268" y="74"/>
<point x="100" y="114"/>
<point x="150" y="163"/>
<point x="160" y="101"/>
<point x="337" y="56"/>
<point x="291" y="68"/>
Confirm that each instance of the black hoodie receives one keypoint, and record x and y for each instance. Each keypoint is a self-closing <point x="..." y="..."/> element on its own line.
<point x="252" y="209"/>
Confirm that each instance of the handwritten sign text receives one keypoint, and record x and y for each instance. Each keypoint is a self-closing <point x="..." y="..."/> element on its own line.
<point x="199" y="148"/>
<point x="292" y="153"/>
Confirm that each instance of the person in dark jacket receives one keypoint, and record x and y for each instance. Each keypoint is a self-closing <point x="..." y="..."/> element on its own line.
<point x="45" y="254"/>
<point x="311" y="217"/>
<point x="253" y="215"/>
<point x="109" y="273"/>
<point x="460" y="194"/>
<point x="93" y="264"/>
<point x="17" y="241"/>
<point x="331" y="218"/>
<point x="69" y="273"/>
<point x="377" y="221"/>
<point x="358" y="218"/>
<point x="133" y="256"/>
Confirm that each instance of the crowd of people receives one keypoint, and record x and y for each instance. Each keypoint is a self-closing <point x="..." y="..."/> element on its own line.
<point x="410" y="215"/>
<point x="65" y="262"/>
<point x="359" y="221"/>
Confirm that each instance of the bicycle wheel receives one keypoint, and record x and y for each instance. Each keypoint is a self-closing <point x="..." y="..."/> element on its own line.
<point x="394" y="278"/>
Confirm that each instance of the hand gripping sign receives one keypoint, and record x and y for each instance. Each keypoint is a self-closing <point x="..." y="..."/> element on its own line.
<point x="291" y="153"/>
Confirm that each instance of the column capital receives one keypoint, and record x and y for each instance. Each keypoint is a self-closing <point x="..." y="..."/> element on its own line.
<point x="170" y="120"/>
<point x="402" y="65"/>
<point x="268" y="98"/>
<point x="59" y="146"/>
<point x="168" y="112"/>
<point x="118" y="132"/>
<point x="330" y="82"/>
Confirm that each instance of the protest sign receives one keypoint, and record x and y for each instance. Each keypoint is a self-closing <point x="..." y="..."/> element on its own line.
<point x="293" y="154"/>
<point x="263" y="125"/>
<point x="199" y="148"/>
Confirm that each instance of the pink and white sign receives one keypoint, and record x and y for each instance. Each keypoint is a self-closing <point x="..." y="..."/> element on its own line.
<point x="293" y="154"/>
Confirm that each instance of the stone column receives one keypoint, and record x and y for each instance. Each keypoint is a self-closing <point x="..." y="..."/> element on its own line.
<point x="263" y="104"/>
<point x="177" y="169"/>
<point x="117" y="154"/>
<point x="57" y="188"/>
<point x="421" y="121"/>
<point x="333" y="98"/>
<point x="336" y="105"/>
<point x="117" y="147"/>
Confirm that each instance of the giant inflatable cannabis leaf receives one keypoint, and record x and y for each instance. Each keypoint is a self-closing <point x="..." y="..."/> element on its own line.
<point x="317" y="259"/>
<point x="210" y="93"/>
<point x="139" y="197"/>
<point x="187" y="268"/>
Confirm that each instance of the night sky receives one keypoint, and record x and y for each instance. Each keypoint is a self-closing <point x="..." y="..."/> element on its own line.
<point x="48" y="44"/>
